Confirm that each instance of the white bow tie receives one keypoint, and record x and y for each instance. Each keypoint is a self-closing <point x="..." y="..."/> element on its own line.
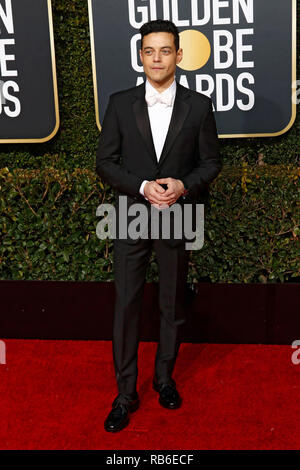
<point x="165" y="98"/>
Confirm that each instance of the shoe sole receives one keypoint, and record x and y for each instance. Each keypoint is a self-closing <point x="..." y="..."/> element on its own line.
<point x="131" y="410"/>
<point x="174" y="407"/>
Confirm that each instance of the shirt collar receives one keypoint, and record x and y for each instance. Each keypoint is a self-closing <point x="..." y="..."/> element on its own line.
<point x="171" y="89"/>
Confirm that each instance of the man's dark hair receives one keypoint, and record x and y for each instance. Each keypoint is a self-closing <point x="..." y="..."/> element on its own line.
<point x="160" y="26"/>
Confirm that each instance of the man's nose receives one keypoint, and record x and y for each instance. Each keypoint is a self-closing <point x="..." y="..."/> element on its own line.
<point x="156" y="56"/>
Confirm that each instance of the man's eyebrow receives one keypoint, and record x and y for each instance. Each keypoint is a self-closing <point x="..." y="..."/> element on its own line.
<point x="163" y="47"/>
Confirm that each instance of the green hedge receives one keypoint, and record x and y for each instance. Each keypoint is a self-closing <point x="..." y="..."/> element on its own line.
<point x="75" y="144"/>
<point x="48" y="227"/>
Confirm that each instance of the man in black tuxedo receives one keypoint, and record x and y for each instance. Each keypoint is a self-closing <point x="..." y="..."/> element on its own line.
<point x="158" y="146"/>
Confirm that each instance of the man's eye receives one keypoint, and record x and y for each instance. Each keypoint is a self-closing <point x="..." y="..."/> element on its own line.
<point x="166" y="52"/>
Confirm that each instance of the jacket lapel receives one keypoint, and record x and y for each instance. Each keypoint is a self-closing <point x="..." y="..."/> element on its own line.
<point x="142" y="120"/>
<point x="180" y="111"/>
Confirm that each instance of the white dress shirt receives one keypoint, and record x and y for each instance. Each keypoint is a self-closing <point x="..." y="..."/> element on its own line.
<point x="160" y="117"/>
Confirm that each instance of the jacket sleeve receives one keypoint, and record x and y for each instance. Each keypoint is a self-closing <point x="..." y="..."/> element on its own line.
<point x="108" y="165"/>
<point x="209" y="162"/>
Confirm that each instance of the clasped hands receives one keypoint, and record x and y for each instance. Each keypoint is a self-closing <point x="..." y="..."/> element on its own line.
<point x="162" y="198"/>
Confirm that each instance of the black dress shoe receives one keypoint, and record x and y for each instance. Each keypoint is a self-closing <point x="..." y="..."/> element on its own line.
<point x="118" y="418"/>
<point x="168" y="395"/>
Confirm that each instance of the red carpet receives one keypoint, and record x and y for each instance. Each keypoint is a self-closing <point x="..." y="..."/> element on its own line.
<point x="56" y="395"/>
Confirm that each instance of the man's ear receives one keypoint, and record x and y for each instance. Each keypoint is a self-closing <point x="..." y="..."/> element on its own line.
<point x="179" y="56"/>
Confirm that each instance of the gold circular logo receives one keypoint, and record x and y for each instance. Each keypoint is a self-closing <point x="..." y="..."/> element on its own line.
<point x="196" y="49"/>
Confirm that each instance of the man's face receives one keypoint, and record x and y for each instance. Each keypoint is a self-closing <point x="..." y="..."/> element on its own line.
<point x="159" y="57"/>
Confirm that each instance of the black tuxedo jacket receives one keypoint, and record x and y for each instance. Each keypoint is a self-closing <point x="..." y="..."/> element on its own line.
<point x="126" y="154"/>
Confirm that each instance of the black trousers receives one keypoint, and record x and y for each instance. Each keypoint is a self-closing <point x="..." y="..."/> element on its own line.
<point x="130" y="264"/>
